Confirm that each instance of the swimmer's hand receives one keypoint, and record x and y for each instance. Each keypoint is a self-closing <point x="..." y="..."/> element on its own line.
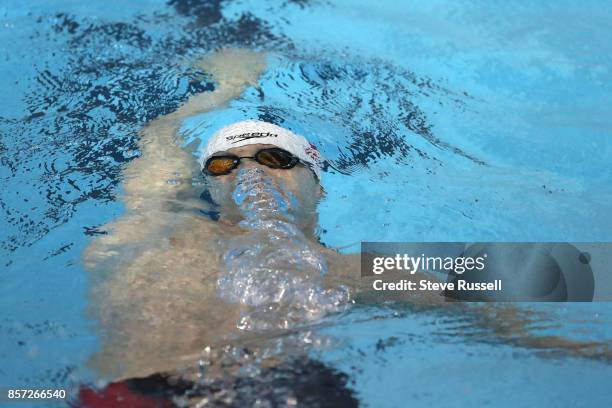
<point x="234" y="67"/>
<point x="232" y="70"/>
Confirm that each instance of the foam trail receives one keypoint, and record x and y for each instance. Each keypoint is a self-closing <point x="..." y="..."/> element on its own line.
<point x="273" y="267"/>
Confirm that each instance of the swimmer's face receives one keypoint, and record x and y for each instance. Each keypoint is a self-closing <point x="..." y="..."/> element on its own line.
<point x="299" y="181"/>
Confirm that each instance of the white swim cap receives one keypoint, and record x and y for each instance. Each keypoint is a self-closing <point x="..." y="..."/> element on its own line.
<point x="254" y="132"/>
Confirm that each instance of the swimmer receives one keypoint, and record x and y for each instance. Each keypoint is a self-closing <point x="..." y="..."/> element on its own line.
<point x="167" y="280"/>
<point x="267" y="179"/>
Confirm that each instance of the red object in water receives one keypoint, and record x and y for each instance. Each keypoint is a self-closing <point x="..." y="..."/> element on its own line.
<point x="119" y="395"/>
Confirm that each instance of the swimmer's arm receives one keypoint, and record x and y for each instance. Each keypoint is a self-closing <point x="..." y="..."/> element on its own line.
<point x="506" y="322"/>
<point x="162" y="177"/>
<point x="345" y="269"/>
<point x="517" y="326"/>
<point x="163" y="162"/>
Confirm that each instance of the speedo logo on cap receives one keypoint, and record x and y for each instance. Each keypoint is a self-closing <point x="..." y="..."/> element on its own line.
<point x="313" y="153"/>
<point x="250" y="135"/>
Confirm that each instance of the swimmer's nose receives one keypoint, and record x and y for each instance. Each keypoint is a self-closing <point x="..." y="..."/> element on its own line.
<point x="250" y="164"/>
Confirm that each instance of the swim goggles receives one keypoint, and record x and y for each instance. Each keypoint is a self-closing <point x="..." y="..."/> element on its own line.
<point x="274" y="158"/>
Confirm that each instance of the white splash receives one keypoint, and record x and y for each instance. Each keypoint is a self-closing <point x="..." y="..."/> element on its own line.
<point x="273" y="267"/>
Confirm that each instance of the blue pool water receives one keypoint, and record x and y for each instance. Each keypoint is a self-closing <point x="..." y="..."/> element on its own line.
<point x="445" y="121"/>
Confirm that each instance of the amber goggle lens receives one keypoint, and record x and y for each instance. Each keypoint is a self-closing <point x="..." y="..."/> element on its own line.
<point x="221" y="165"/>
<point x="276" y="158"/>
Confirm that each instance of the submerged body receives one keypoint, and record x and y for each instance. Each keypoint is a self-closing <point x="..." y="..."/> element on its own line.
<point x="169" y="282"/>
